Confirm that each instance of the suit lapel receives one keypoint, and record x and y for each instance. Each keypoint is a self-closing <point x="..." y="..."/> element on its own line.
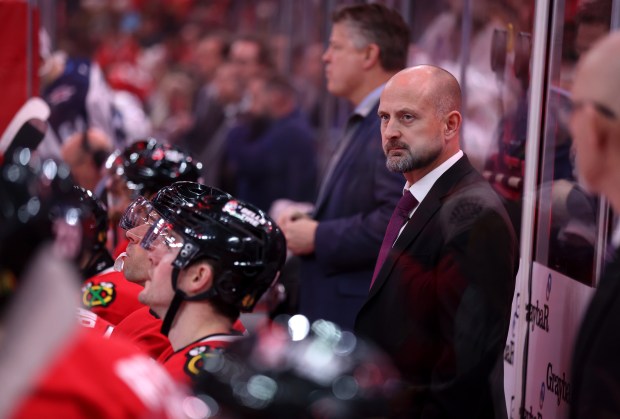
<point x="356" y="141"/>
<point x="421" y="217"/>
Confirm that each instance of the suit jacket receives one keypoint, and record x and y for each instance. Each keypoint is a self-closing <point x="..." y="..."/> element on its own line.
<point x="440" y="305"/>
<point x="595" y="389"/>
<point x="353" y="215"/>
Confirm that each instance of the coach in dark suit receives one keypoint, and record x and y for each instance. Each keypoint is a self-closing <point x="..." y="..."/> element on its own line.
<point x="339" y="242"/>
<point x="440" y="300"/>
<point x="595" y="128"/>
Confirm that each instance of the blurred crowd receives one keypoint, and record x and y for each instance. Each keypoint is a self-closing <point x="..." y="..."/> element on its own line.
<point x="238" y="97"/>
<point x="234" y="83"/>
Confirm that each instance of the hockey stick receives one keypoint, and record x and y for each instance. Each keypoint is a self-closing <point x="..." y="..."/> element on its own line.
<point x="27" y="128"/>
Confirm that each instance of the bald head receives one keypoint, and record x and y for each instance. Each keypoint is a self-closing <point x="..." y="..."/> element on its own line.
<point x="595" y="119"/>
<point x="85" y="156"/>
<point x="597" y="74"/>
<point x="439" y="87"/>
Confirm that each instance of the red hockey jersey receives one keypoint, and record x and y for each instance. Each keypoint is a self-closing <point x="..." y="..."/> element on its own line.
<point x="90" y="320"/>
<point x="111" y="296"/>
<point x="96" y="377"/>
<point x="187" y="362"/>
<point x="143" y="329"/>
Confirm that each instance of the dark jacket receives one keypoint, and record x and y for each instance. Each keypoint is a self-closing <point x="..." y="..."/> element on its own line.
<point x="440" y="306"/>
<point x="595" y="390"/>
<point x="353" y="215"/>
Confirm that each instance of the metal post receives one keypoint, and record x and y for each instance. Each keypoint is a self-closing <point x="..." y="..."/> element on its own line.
<point x="464" y="56"/>
<point x="29" y="47"/>
<point x="534" y="129"/>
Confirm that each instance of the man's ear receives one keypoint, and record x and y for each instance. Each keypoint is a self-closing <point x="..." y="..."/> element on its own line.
<point x="371" y="57"/>
<point x="452" y="124"/>
<point x="197" y="278"/>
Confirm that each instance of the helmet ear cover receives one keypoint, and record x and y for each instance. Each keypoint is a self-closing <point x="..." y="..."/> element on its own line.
<point x="189" y="252"/>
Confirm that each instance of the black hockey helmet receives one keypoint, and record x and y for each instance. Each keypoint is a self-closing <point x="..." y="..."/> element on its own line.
<point x="148" y="165"/>
<point x="38" y="203"/>
<point x="247" y="247"/>
<point x="94" y="256"/>
<point x="94" y="216"/>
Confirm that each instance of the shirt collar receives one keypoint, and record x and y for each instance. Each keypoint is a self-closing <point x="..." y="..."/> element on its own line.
<point x="423" y="186"/>
<point x="369" y="102"/>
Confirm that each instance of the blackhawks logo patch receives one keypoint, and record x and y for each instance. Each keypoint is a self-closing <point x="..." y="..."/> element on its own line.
<point x="198" y="356"/>
<point x="98" y="295"/>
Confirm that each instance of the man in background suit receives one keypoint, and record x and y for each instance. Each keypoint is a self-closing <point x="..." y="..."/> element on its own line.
<point x="595" y="128"/>
<point x="440" y="300"/>
<point x="339" y="243"/>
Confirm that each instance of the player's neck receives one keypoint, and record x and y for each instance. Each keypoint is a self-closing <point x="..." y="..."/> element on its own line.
<point x="194" y="321"/>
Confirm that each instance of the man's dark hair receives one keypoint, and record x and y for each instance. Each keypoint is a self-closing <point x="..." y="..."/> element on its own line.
<point x="380" y="25"/>
<point x="223" y="38"/>
<point x="265" y="57"/>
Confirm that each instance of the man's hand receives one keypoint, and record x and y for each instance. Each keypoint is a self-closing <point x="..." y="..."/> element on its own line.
<point x="299" y="233"/>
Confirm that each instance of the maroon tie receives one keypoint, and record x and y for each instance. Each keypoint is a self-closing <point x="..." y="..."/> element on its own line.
<point x="400" y="215"/>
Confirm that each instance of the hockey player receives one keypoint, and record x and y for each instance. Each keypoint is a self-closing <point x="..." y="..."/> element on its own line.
<point x="211" y="257"/>
<point x="105" y="291"/>
<point x="48" y="365"/>
<point x="143" y="168"/>
<point x="143" y="327"/>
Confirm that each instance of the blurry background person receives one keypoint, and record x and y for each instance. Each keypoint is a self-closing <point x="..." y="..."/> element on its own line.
<point x="272" y="154"/>
<point x="441" y="294"/>
<point x="339" y="243"/>
<point x="76" y="90"/>
<point x="86" y="153"/>
<point x="175" y="96"/>
<point x="252" y="56"/>
<point x="308" y="79"/>
<point x="595" y="127"/>
<point x="209" y="102"/>
<point x="228" y="91"/>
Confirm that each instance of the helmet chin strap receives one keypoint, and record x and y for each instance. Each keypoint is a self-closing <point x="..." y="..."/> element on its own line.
<point x="179" y="297"/>
<point x="175" y="304"/>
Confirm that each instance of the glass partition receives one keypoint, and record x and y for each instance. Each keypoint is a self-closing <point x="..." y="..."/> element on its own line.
<point x="568" y="216"/>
